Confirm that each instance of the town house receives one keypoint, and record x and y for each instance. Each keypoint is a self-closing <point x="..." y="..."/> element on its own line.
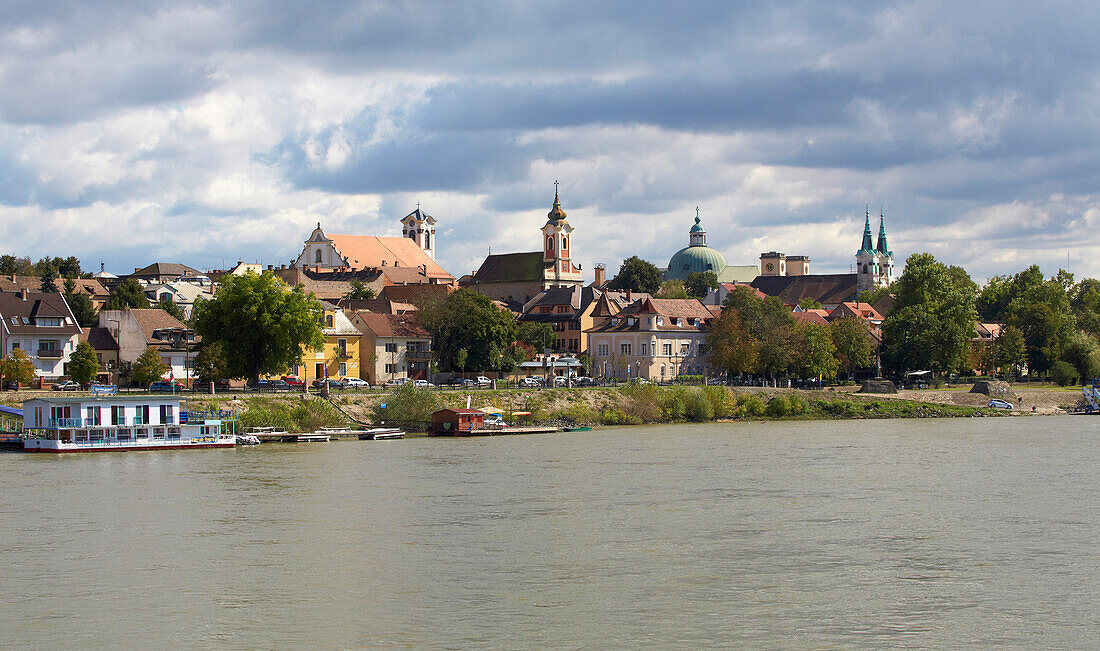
<point x="394" y="347"/>
<point x="653" y="338"/>
<point x="42" y="326"/>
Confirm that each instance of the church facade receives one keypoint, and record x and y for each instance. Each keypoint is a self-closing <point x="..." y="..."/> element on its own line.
<point x="874" y="264"/>
<point x="414" y="251"/>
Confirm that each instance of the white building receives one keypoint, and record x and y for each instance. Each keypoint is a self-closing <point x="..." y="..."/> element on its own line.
<point x="42" y="326"/>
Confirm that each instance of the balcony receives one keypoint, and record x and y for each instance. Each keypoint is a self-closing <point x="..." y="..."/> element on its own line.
<point x="50" y="353"/>
<point x="342" y="354"/>
<point x="64" y="423"/>
<point x="418" y="355"/>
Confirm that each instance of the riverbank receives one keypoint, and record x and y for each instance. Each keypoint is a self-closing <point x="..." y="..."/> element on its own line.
<point x="627" y="405"/>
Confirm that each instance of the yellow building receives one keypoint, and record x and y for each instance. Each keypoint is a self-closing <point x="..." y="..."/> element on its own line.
<point x="339" y="358"/>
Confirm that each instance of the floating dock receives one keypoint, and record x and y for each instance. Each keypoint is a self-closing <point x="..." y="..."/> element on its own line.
<point x="505" y="431"/>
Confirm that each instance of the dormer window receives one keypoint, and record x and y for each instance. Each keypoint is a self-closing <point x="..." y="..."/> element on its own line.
<point x="660" y="320"/>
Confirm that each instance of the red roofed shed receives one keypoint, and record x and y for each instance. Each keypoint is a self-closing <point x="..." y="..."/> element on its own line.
<point x="457" y="422"/>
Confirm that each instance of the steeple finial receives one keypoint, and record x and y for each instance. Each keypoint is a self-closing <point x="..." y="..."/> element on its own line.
<point x="697" y="214"/>
<point x="882" y="247"/>
<point x="556" y="213"/>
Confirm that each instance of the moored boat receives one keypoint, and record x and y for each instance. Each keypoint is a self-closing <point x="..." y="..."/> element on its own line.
<point x="381" y="434"/>
<point x="121" y="423"/>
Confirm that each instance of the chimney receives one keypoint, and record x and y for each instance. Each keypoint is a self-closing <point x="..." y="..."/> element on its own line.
<point x="628" y="296"/>
<point x="102" y="267"/>
<point x="600" y="271"/>
<point x="137" y="269"/>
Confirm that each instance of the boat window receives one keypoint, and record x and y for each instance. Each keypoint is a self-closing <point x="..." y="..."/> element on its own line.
<point x="173" y="432"/>
<point x="158" y="432"/>
<point x="141" y="433"/>
<point x="123" y="434"/>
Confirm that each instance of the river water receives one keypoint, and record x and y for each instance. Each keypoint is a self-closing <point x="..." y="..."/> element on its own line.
<point x="806" y="534"/>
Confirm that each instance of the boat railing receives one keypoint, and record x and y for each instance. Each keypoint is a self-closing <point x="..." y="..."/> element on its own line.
<point x="213" y="414"/>
<point x="65" y="423"/>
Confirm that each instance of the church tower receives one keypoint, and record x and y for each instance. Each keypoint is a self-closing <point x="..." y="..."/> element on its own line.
<point x="874" y="262"/>
<point x="419" y="227"/>
<point x="557" y="258"/>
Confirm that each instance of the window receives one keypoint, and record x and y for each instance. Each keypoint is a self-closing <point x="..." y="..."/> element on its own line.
<point x="99" y="358"/>
<point x="660" y="320"/>
<point x="601" y="350"/>
<point x="643" y="349"/>
<point x="412" y="235"/>
<point x="93" y="417"/>
<point x="317" y="257"/>
<point x="684" y="348"/>
<point x="141" y="416"/>
<point x="565" y="242"/>
<point x="391" y="368"/>
<point x="328" y="320"/>
<point x="391" y="348"/>
<point x="427" y="239"/>
<point x="15" y="345"/>
<point x="624" y="349"/>
<point x="549" y="244"/>
<point x="167" y="415"/>
<point x="342" y="347"/>
<point x="563" y="309"/>
<point x="343" y="369"/>
<point x="667" y="350"/>
<point x="118" y="415"/>
<point x="702" y="349"/>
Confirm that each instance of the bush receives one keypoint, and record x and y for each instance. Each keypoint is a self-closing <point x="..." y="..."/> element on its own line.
<point x="778" y="407"/>
<point x="689" y="379"/>
<point x="673" y="404"/>
<point x="797" y="404"/>
<point x="722" y="402"/>
<point x="749" y="405"/>
<point x="407" y="404"/>
<point x="642" y="400"/>
<point x="1063" y="373"/>
<point x="303" y="416"/>
<point x="697" y="407"/>
<point x="614" y="416"/>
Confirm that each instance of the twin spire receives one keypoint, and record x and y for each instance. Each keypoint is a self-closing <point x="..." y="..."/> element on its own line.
<point x="882" y="248"/>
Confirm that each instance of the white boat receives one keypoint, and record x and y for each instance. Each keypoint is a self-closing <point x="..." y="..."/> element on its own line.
<point x="267" y="433"/>
<point x="121" y="423"/>
<point x="381" y="434"/>
<point x="248" y="439"/>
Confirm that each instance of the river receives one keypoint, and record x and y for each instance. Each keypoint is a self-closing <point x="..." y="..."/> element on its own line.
<point x="796" y="534"/>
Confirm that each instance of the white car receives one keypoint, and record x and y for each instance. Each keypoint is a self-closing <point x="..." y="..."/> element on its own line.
<point x="561" y="381"/>
<point x="532" y="382"/>
<point x="997" y="403"/>
<point x="483" y="381"/>
<point x="423" y="384"/>
<point x="355" y="383"/>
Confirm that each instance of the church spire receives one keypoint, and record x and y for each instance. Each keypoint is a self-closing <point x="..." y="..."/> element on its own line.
<point x="556" y="213"/>
<point x="882" y="247"/>
<point x="867" y="246"/>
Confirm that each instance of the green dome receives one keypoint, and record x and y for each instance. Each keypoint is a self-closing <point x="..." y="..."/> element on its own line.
<point x="694" y="258"/>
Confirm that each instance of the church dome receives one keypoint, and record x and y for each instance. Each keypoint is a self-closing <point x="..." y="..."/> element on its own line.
<point x="694" y="259"/>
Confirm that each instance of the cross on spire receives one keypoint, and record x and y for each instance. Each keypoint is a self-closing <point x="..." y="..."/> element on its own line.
<point x="418" y="205"/>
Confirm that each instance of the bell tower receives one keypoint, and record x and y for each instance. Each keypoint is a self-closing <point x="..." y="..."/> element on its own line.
<point x="874" y="262"/>
<point x="557" y="256"/>
<point x="419" y="227"/>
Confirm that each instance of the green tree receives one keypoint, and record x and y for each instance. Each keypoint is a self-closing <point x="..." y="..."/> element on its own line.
<point x="771" y="327"/>
<point x="872" y="296"/>
<point x="816" y="352"/>
<point x="1063" y="373"/>
<point x="359" y="291"/>
<point x="672" y="288"/>
<point x="460" y="359"/>
<point x="1044" y="330"/>
<point x="46" y="282"/>
<point x="1083" y="353"/>
<point x="80" y="304"/>
<point x="126" y="294"/>
<point x="1085" y="302"/>
<point x="210" y="363"/>
<point x="171" y="307"/>
<point x="83" y="364"/>
<point x="637" y="275"/>
<point x="698" y="283"/>
<point x="539" y="336"/>
<point x="262" y="325"/>
<point x="731" y="348"/>
<point x="17" y="367"/>
<point x="148" y="368"/>
<point x="11" y="265"/>
<point x="809" y="304"/>
<point x="932" y="321"/>
<point x="853" y="343"/>
<point x="1010" y="350"/>
<point x="469" y="320"/>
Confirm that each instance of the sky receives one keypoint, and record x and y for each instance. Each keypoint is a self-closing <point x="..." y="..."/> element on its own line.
<point x="211" y="132"/>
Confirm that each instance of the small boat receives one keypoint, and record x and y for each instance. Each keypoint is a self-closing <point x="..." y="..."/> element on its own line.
<point x="381" y="434"/>
<point x="248" y="439"/>
<point x="579" y="428"/>
<point x="268" y="433"/>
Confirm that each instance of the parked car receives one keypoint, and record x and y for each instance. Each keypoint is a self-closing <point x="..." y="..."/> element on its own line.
<point x="531" y="381"/>
<point x="463" y="382"/>
<point x="355" y="383"/>
<point x="66" y="385"/>
<point x="320" y="382"/>
<point x="483" y="381"/>
<point x="166" y="386"/>
<point x="293" y="382"/>
<point x="423" y="384"/>
<point x="997" y="403"/>
<point x="397" y="382"/>
<point x="561" y="381"/>
<point x="584" y="381"/>
<point x="11" y="385"/>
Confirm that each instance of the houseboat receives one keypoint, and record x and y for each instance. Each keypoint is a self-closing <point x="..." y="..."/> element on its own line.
<point x="121" y="423"/>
